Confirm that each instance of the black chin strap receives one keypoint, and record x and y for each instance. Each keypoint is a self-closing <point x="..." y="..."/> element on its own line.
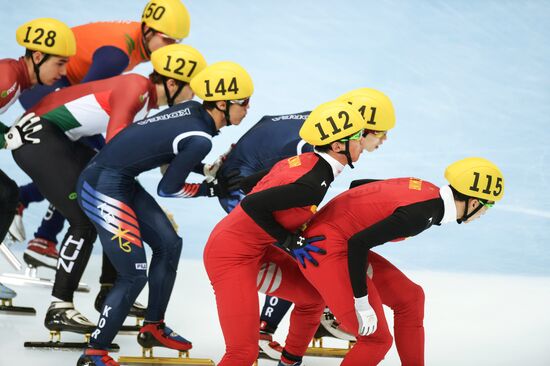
<point x="465" y="215"/>
<point x="347" y="155"/>
<point x="171" y="98"/>
<point x="36" y="67"/>
<point x="226" y="113"/>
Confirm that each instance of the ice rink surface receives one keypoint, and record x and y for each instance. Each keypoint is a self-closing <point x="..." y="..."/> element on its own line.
<point x="467" y="78"/>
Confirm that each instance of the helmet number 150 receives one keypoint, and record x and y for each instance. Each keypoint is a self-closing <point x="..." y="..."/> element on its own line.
<point x="154" y="11"/>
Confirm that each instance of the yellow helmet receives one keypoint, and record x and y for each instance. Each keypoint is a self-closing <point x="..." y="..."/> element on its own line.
<point x="167" y="16"/>
<point x="47" y="35"/>
<point x="178" y="61"/>
<point x="224" y="80"/>
<point x="476" y="177"/>
<point x="330" y="122"/>
<point x="375" y="107"/>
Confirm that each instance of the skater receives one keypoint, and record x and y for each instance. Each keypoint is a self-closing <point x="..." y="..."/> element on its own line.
<point x="44" y="62"/>
<point x="240" y="246"/>
<point x="355" y="282"/>
<point x="104" y="50"/>
<point x="275" y="138"/>
<point x="56" y="162"/>
<point x="125" y="215"/>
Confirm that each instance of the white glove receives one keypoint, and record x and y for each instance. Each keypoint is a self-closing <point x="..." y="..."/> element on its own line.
<point x="20" y="133"/>
<point x="365" y="315"/>
<point x="210" y="170"/>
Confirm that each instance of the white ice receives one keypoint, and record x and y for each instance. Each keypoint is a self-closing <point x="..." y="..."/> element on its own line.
<point x="467" y="78"/>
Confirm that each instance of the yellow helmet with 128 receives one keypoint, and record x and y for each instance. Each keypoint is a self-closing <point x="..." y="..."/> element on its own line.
<point x="47" y="35"/>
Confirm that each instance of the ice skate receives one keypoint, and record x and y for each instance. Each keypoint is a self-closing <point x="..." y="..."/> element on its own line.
<point x="159" y="335"/>
<point x="137" y="310"/>
<point x="96" y="357"/>
<point x="6" y="297"/>
<point x="16" y="232"/>
<point x="63" y="317"/>
<point x="269" y="349"/>
<point x="317" y="348"/>
<point x="41" y="253"/>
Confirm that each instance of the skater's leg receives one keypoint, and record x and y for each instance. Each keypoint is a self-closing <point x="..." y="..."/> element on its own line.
<point x="272" y="313"/>
<point x="8" y="202"/>
<point x="51" y="225"/>
<point x="158" y="233"/>
<point x="29" y="193"/>
<point x="234" y="285"/>
<point x="120" y="237"/>
<point x="55" y="165"/>
<point x="280" y="275"/>
<point x="406" y="299"/>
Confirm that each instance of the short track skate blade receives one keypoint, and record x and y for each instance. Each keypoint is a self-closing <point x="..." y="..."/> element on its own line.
<point x="76" y="346"/>
<point x="25" y="280"/>
<point x="129" y="360"/>
<point x="17" y="310"/>
<point x="264" y="356"/>
<point x="326" y="352"/>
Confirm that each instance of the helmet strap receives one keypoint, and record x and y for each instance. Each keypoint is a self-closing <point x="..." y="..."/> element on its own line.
<point x="171" y="98"/>
<point x="467" y="216"/>
<point x="36" y="67"/>
<point x="143" y="41"/>
<point x="226" y="113"/>
<point x="347" y="155"/>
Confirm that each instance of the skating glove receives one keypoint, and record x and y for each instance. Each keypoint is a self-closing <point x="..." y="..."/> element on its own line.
<point x="223" y="186"/>
<point x="21" y="132"/>
<point x="300" y="247"/>
<point x="365" y="315"/>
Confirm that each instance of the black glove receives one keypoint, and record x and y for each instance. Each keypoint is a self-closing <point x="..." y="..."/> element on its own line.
<point x="222" y="186"/>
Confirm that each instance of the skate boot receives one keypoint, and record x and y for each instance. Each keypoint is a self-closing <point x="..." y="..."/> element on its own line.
<point x="332" y="326"/>
<point x="159" y="335"/>
<point x="96" y="357"/>
<point x="41" y="253"/>
<point x="268" y="347"/>
<point x="63" y="317"/>
<point x="16" y="232"/>
<point x="6" y="306"/>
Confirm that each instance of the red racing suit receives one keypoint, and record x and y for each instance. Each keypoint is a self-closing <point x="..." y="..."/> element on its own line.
<point x="354" y="222"/>
<point x="240" y="259"/>
<point x="14" y="78"/>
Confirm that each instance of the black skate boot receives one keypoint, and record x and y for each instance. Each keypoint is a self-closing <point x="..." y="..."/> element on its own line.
<point x="63" y="317"/>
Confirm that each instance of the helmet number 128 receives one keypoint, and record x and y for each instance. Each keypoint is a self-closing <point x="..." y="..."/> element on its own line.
<point x="39" y="33"/>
